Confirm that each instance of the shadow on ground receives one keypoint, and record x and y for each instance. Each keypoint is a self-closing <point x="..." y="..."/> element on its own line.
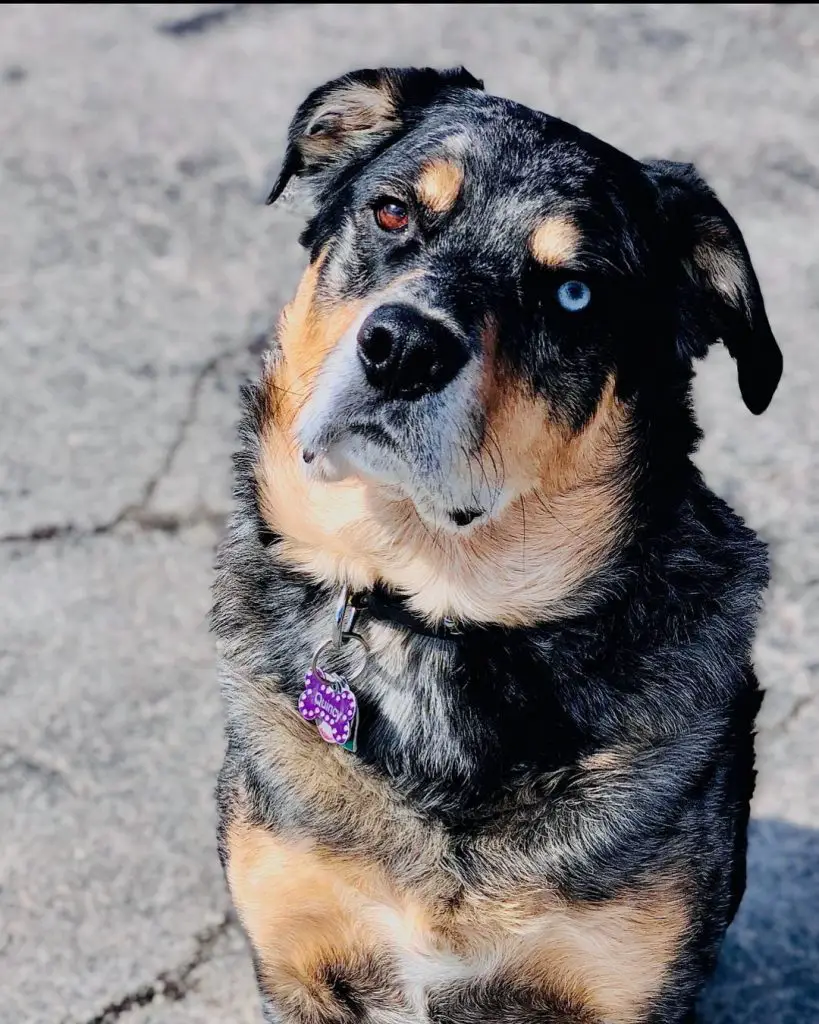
<point x="768" y="969"/>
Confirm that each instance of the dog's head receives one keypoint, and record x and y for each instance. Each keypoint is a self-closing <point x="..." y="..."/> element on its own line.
<point x="497" y="307"/>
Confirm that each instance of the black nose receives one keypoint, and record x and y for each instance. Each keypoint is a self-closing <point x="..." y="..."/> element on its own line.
<point x="406" y="354"/>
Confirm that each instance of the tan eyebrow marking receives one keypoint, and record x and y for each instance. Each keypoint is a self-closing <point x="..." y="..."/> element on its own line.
<point x="555" y="241"/>
<point x="440" y="185"/>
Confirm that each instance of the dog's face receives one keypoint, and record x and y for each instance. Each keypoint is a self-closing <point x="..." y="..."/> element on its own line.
<point x="496" y="301"/>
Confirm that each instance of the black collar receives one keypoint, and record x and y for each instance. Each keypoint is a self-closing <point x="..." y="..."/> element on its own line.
<point x="384" y="606"/>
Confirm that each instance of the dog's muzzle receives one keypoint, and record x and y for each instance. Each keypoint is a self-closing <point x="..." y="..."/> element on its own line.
<point x="399" y="402"/>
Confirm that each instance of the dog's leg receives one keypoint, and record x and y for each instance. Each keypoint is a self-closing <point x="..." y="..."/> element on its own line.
<point x="502" y="1001"/>
<point x="313" y="923"/>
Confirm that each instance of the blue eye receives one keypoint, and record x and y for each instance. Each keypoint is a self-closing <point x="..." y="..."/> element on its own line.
<point x="574" y="295"/>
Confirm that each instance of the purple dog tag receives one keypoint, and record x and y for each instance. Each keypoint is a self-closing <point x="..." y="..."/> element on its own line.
<point x="328" y="701"/>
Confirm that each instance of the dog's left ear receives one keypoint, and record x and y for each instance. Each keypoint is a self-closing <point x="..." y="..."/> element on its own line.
<point x="351" y="117"/>
<point x="719" y="294"/>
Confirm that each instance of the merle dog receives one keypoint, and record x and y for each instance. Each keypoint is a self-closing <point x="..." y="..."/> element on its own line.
<point x="517" y="789"/>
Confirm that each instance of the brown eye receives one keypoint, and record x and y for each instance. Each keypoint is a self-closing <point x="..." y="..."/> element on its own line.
<point x="390" y="215"/>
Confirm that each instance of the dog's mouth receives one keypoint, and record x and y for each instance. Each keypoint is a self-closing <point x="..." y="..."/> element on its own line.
<point x="458" y="517"/>
<point x="413" y="459"/>
<point x="371" y="432"/>
<point x="370" y="453"/>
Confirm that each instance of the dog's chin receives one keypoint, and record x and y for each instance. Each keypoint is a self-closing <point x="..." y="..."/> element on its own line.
<point x="379" y="463"/>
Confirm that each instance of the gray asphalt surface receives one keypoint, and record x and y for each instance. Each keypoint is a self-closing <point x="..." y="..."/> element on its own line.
<point x="138" y="275"/>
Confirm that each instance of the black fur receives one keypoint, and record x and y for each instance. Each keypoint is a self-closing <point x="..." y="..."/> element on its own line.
<point x="662" y="663"/>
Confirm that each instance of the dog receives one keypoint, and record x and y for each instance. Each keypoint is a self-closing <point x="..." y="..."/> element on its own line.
<point x="485" y="634"/>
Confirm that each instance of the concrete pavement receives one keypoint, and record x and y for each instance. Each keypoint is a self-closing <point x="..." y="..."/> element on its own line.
<point x="138" y="276"/>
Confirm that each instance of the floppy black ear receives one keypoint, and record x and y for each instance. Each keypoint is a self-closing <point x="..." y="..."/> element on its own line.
<point x="719" y="293"/>
<point x="351" y="116"/>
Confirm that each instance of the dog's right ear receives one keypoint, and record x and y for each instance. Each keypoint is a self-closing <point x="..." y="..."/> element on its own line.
<point x="351" y="117"/>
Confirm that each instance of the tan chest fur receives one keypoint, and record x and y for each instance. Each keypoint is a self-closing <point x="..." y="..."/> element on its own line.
<point x="399" y="916"/>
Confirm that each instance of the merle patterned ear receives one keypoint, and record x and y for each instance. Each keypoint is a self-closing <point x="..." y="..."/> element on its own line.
<point x="353" y="116"/>
<point x="719" y="294"/>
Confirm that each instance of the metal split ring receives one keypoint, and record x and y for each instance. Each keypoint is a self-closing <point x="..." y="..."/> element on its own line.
<point x="345" y="638"/>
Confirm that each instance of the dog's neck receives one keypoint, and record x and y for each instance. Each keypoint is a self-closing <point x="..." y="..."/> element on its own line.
<point x="530" y="694"/>
<point x="535" y="561"/>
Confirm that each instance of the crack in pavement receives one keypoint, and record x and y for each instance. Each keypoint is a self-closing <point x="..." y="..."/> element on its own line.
<point x="173" y="985"/>
<point x="214" y="16"/>
<point x="139" y="513"/>
<point x="133" y="511"/>
<point x="161" y="522"/>
<point x="202" y="21"/>
<point x="172" y="522"/>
